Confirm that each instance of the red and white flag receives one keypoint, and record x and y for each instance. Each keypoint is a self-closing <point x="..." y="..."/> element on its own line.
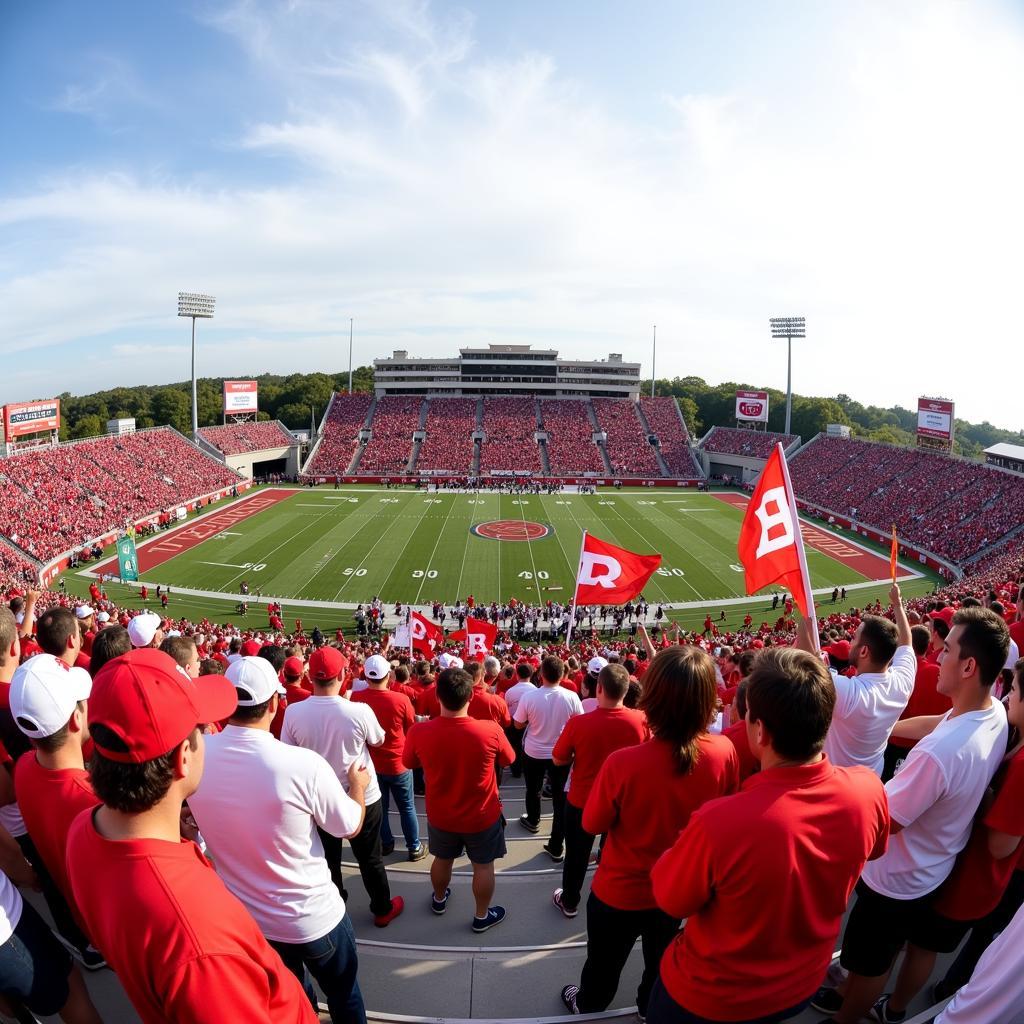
<point x="611" y="575"/>
<point x="425" y="635"/>
<point x="478" y="637"/>
<point x="770" y="545"/>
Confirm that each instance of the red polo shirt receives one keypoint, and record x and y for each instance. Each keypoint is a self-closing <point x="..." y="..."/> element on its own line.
<point x="396" y="717"/>
<point x="763" y="878"/>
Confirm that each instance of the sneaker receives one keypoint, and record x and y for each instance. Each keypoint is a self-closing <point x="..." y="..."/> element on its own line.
<point x="556" y="898"/>
<point x="440" y="906"/>
<point x="569" y="994"/>
<point x="495" y="915"/>
<point x="530" y="826"/>
<point x="419" y="853"/>
<point x="828" y="1000"/>
<point x="397" y="906"/>
<point x="546" y="791"/>
<point x="387" y="848"/>
<point x="881" y="1012"/>
<point x="556" y="857"/>
<point x="90" y="957"/>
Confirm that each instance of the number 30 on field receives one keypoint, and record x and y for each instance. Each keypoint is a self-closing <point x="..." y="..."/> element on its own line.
<point x="419" y="574"/>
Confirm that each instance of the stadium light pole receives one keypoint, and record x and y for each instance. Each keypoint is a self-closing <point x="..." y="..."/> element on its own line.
<point x="350" y="355"/>
<point x="196" y="306"/>
<point x="654" y="354"/>
<point x="788" y="327"/>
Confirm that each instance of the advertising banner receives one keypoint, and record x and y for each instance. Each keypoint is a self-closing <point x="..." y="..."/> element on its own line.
<point x="31" y="418"/>
<point x="239" y="396"/>
<point x="127" y="560"/>
<point x="752" y="406"/>
<point x="935" y="419"/>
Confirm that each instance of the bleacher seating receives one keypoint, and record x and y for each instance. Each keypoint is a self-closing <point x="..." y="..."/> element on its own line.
<point x="571" y="448"/>
<point x="449" y="442"/>
<point x="663" y="417"/>
<point x="628" y="449"/>
<point x="340" y="435"/>
<point x="239" y="438"/>
<point x="395" y="420"/>
<point x="16" y="572"/>
<point x="509" y="425"/>
<point x="952" y="507"/>
<point x="55" y="498"/>
<point x="754" y="444"/>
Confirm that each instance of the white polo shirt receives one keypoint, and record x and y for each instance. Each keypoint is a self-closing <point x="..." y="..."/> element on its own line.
<point x="340" y="731"/>
<point x="867" y="707"/>
<point x="258" y="805"/>
<point x="934" y="796"/>
<point x="545" y="712"/>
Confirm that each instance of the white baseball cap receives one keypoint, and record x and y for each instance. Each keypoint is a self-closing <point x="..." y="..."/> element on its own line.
<point x="83" y="611"/>
<point x="449" y="661"/>
<point x="44" y="692"/>
<point x="142" y="629"/>
<point x="256" y="677"/>
<point x="102" y="617"/>
<point x="376" y="667"/>
<point x="595" y="665"/>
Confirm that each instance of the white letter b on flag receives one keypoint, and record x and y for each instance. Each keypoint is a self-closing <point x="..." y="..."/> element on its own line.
<point x="781" y="518"/>
<point x="599" y="570"/>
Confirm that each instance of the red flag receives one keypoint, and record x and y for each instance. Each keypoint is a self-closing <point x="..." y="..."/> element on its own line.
<point x="770" y="545"/>
<point x="611" y="575"/>
<point x="477" y="638"/>
<point x="894" y="553"/>
<point x="425" y="634"/>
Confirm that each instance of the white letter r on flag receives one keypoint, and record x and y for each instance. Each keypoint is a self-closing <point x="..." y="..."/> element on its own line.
<point x="599" y="570"/>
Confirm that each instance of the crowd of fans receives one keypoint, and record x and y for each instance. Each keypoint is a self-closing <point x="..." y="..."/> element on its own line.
<point x="952" y="507"/>
<point x="628" y="449"/>
<point x="663" y="417"/>
<point x="509" y="428"/>
<point x="570" y="444"/>
<point x="239" y="438"/>
<point x="449" y="442"/>
<point x="395" y="420"/>
<point x="56" y="498"/>
<point x="757" y="444"/>
<point x="340" y="436"/>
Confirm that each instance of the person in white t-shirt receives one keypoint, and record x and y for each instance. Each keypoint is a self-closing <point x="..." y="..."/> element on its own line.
<point x="267" y="851"/>
<point x="869" y="703"/>
<point x="932" y="802"/>
<point x="543" y="713"/>
<point x="341" y="731"/>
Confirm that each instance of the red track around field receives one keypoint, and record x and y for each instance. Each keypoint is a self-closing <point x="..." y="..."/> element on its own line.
<point x="164" y="548"/>
<point x="867" y="563"/>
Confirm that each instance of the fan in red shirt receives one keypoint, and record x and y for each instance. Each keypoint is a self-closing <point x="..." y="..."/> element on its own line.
<point x="183" y="947"/>
<point x="642" y="797"/>
<point x="458" y="756"/>
<point x="736" y="733"/>
<point x="291" y="676"/>
<point x="585" y="743"/>
<point x="763" y="877"/>
<point x="488" y="707"/>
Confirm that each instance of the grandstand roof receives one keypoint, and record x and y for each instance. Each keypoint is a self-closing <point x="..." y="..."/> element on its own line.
<point x="1006" y="451"/>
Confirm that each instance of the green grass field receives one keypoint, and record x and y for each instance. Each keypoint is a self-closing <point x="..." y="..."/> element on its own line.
<point x="345" y="546"/>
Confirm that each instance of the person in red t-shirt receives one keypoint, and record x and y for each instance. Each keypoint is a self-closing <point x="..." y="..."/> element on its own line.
<point x="291" y="676"/>
<point x="585" y="743"/>
<point x="396" y="716"/>
<point x="736" y="733"/>
<point x="458" y="754"/>
<point x="763" y="877"/>
<point x="487" y="707"/>
<point x="182" y="946"/>
<point x="642" y="797"/>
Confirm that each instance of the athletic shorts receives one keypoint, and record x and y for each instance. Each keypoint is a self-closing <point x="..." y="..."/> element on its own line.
<point x="481" y="847"/>
<point x="878" y="927"/>
<point x="34" y="966"/>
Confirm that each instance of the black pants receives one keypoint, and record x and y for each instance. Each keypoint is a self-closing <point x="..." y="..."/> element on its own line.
<point x="366" y="846"/>
<point x="515" y="738"/>
<point x="578" y="846"/>
<point x="55" y="902"/>
<point x="665" y="1010"/>
<point x="611" y="935"/>
<point x="534" y="770"/>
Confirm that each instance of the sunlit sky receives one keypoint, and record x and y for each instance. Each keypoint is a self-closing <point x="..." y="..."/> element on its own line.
<point x="566" y="175"/>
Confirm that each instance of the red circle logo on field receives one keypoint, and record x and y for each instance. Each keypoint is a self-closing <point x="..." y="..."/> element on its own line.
<point x="510" y="529"/>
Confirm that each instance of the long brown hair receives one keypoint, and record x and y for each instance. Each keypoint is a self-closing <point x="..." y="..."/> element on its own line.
<point x="678" y="699"/>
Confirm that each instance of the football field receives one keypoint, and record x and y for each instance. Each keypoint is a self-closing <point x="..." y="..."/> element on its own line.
<point x="343" y="547"/>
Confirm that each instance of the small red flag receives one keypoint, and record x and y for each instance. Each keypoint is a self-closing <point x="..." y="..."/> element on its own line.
<point x="770" y="545"/>
<point x="426" y="635"/>
<point x="894" y="554"/>
<point x="611" y="575"/>
<point x="478" y="637"/>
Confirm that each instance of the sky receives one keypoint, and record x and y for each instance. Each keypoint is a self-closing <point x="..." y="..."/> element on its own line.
<point x="566" y="175"/>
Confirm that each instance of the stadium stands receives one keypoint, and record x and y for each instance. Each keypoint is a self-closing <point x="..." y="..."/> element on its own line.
<point x="952" y="507"/>
<point x="509" y="426"/>
<point x="56" y="498"/>
<point x="394" y="421"/>
<point x="755" y="444"/>
<point x="239" y="438"/>
<point x="570" y="445"/>
<point x="449" y="442"/>
<point x="664" y="420"/>
<point x="340" y="435"/>
<point x="629" y="451"/>
<point x="16" y="572"/>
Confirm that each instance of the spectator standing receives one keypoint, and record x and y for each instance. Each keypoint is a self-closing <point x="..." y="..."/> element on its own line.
<point x="522" y="683"/>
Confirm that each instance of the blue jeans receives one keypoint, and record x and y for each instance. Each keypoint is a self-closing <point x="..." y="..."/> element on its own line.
<point x="333" y="961"/>
<point x="401" y="786"/>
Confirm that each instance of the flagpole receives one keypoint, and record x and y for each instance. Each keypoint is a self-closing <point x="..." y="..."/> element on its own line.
<point x="801" y="554"/>
<point x="575" y="587"/>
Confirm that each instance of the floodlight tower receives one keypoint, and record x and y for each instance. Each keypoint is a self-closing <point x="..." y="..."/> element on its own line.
<point x="196" y="306"/>
<point x="788" y="327"/>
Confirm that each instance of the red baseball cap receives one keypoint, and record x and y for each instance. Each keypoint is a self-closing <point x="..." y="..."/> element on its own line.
<point x="293" y="666"/>
<point x="840" y="649"/>
<point x="946" y="614"/>
<point x="326" y="663"/>
<point x="251" y="648"/>
<point x="149" y="702"/>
